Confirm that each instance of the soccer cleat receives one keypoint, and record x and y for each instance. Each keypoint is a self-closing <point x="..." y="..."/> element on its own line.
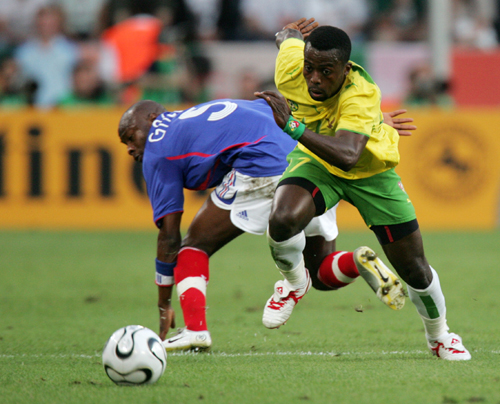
<point x="280" y="306"/>
<point x="449" y="347"/>
<point x="188" y="340"/>
<point x="381" y="279"/>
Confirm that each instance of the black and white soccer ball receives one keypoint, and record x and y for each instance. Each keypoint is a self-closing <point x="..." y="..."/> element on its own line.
<point x="134" y="355"/>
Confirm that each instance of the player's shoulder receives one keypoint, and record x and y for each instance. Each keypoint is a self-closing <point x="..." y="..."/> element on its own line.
<point x="359" y="82"/>
<point x="360" y="77"/>
<point x="153" y="155"/>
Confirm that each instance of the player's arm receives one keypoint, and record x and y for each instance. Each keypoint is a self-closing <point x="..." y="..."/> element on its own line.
<point x="342" y="151"/>
<point x="298" y="29"/>
<point x="168" y="245"/>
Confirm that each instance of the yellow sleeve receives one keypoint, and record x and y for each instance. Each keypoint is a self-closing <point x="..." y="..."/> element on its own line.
<point x="289" y="62"/>
<point x="360" y="112"/>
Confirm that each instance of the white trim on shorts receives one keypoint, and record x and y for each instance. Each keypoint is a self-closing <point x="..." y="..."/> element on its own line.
<point x="250" y="198"/>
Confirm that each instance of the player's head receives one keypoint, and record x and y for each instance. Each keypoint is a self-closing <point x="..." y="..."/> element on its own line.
<point x="135" y="124"/>
<point x="326" y="61"/>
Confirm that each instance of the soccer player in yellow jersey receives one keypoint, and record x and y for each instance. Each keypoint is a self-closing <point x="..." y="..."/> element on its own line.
<point x="332" y="107"/>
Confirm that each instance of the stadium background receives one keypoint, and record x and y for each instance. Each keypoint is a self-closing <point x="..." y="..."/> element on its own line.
<point x="62" y="166"/>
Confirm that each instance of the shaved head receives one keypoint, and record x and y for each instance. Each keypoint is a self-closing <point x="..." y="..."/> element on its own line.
<point x="139" y="112"/>
<point x="135" y="124"/>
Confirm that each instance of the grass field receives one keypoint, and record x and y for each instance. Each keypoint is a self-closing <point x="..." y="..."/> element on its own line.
<point x="62" y="294"/>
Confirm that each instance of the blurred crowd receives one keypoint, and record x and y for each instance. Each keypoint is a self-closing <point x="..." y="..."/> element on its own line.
<point x="73" y="53"/>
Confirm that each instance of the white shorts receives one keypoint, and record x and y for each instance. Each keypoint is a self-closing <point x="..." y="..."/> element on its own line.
<point x="250" y="198"/>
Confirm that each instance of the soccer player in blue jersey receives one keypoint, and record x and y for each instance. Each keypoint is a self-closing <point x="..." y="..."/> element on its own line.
<point x="236" y="147"/>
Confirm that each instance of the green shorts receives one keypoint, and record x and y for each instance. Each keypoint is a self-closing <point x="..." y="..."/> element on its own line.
<point x="380" y="199"/>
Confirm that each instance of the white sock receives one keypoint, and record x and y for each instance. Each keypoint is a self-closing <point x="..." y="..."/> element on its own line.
<point x="430" y="304"/>
<point x="435" y="328"/>
<point x="297" y="277"/>
<point x="288" y="258"/>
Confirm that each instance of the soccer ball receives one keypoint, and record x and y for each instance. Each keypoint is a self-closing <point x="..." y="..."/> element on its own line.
<point x="134" y="355"/>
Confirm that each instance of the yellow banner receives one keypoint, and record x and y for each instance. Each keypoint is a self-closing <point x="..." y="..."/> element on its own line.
<point x="68" y="170"/>
<point x="65" y="170"/>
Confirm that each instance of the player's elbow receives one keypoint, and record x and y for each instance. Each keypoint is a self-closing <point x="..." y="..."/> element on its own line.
<point x="347" y="166"/>
<point x="348" y="161"/>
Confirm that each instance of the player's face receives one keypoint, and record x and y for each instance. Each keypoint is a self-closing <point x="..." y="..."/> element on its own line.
<point x="324" y="72"/>
<point x="135" y="140"/>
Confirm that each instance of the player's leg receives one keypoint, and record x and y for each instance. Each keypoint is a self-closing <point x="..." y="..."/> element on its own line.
<point x="306" y="190"/>
<point x="385" y="206"/>
<point x="298" y="199"/>
<point x="396" y="241"/>
<point x="209" y="231"/>
<point x="329" y="269"/>
<point x="293" y="208"/>
<point x="317" y="249"/>
<point x="332" y="270"/>
<point x="241" y="203"/>
<point x="341" y="268"/>
<point x="408" y="258"/>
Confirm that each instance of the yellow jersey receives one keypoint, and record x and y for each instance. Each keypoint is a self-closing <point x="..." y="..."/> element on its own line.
<point x="355" y="108"/>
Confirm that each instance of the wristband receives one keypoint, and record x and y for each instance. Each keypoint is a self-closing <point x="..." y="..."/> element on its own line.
<point x="165" y="273"/>
<point x="294" y="128"/>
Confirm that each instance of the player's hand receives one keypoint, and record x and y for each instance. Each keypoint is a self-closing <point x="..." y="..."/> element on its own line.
<point x="167" y="320"/>
<point x="278" y="104"/>
<point x="304" y="25"/>
<point x="400" y="124"/>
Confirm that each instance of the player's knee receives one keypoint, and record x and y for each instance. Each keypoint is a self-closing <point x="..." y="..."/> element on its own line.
<point x="283" y="225"/>
<point x="419" y="275"/>
<point x="288" y="220"/>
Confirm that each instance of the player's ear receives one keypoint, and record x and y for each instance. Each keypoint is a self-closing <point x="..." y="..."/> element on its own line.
<point x="152" y="116"/>
<point x="347" y="68"/>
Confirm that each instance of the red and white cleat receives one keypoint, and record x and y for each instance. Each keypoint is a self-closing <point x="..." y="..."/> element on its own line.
<point x="449" y="347"/>
<point x="280" y="306"/>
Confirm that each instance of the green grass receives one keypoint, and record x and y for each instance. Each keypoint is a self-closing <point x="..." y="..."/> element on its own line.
<point x="63" y="294"/>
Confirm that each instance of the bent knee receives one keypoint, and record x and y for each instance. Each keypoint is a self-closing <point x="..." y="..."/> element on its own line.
<point x="283" y="225"/>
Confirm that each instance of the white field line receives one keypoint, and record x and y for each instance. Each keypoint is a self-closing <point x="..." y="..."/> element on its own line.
<point x="236" y="355"/>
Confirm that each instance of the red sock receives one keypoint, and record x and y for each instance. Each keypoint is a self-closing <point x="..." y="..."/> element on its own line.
<point x="338" y="270"/>
<point x="191" y="278"/>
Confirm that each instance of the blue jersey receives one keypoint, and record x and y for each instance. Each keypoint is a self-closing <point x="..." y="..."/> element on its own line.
<point x="195" y="148"/>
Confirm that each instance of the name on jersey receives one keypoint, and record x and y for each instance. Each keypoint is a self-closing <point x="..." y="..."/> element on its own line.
<point x="161" y="127"/>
